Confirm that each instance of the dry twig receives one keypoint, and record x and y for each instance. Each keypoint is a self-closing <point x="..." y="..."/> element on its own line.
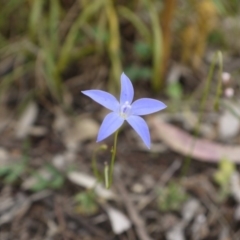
<point x="133" y="213"/>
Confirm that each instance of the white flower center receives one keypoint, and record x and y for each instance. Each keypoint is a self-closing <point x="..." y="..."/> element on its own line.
<point x="125" y="110"/>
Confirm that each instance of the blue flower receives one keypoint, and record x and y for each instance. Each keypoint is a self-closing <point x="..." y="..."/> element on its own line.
<point x="125" y="110"/>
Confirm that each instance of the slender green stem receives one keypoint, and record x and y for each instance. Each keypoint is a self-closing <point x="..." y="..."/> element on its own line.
<point x="96" y="172"/>
<point x="94" y="167"/>
<point x="217" y="57"/>
<point x="114" y="150"/>
<point x="106" y="176"/>
<point x="219" y="86"/>
<point x="108" y="171"/>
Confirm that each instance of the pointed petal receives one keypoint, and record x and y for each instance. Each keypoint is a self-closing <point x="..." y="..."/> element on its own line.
<point x="104" y="98"/>
<point x="127" y="91"/>
<point x="146" y="106"/>
<point x="109" y="125"/>
<point x="141" y="127"/>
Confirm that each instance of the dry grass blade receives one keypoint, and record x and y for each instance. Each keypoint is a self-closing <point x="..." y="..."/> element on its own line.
<point x="65" y="54"/>
<point x="69" y="19"/>
<point x="136" y="22"/>
<point x="114" y="45"/>
<point x="53" y="25"/>
<point x="35" y="16"/>
<point x="52" y="76"/>
<point x="157" y="45"/>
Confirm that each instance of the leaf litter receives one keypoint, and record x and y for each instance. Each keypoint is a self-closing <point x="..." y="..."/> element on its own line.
<point x="126" y="206"/>
<point x="130" y="209"/>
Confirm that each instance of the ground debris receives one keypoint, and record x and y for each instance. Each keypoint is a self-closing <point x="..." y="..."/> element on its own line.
<point x="119" y="221"/>
<point x="26" y="120"/>
<point x="186" y="144"/>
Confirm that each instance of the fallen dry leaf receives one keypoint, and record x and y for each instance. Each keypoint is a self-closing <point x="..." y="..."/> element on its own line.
<point x="26" y="120"/>
<point x="37" y="131"/>
<point x="119" y="221"/>
<point x="186" y="144"/>
<point x="87" y="181"/>
<point x="190" y="209"/>
<point x="62" y="161"/>
<point x="82" y="129"/>
<point x="85" y="128"/>
<point x="200" y="227"/>
<point x="61" y="121"/>
<point x="176" y="233"/>
<point x="75" y="129"/>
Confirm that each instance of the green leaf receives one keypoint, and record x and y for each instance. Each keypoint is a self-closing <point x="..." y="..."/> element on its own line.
<point x="143" y="50"/>
<point x="174" y="91"/>
<point x="171" y="197"/>
<point x="224" y="172"/>
<point x="86" y="202"/>
<point x="4" y="170"/>
<point x="138" y="72"/>
<point x="56" y="181"/>
<point x="223" y="176"/>
<point x="15" y="172"/>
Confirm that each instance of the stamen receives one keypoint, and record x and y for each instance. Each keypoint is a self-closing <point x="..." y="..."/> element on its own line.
<point x="125" y="110"/>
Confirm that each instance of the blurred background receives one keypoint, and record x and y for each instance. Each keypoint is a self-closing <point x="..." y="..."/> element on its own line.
<point x="185" y="53"/>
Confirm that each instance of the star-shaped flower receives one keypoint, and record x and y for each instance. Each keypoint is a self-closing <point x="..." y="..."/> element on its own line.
<point x="125" y="110"/>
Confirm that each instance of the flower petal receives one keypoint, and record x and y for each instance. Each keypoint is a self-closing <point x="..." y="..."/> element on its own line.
<point x="146" y="106"/>
<point x="109" y="125"/>
<point x="104" y="98"/>
<point x="127" y="91"/>
<point x="141" y="127"/>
